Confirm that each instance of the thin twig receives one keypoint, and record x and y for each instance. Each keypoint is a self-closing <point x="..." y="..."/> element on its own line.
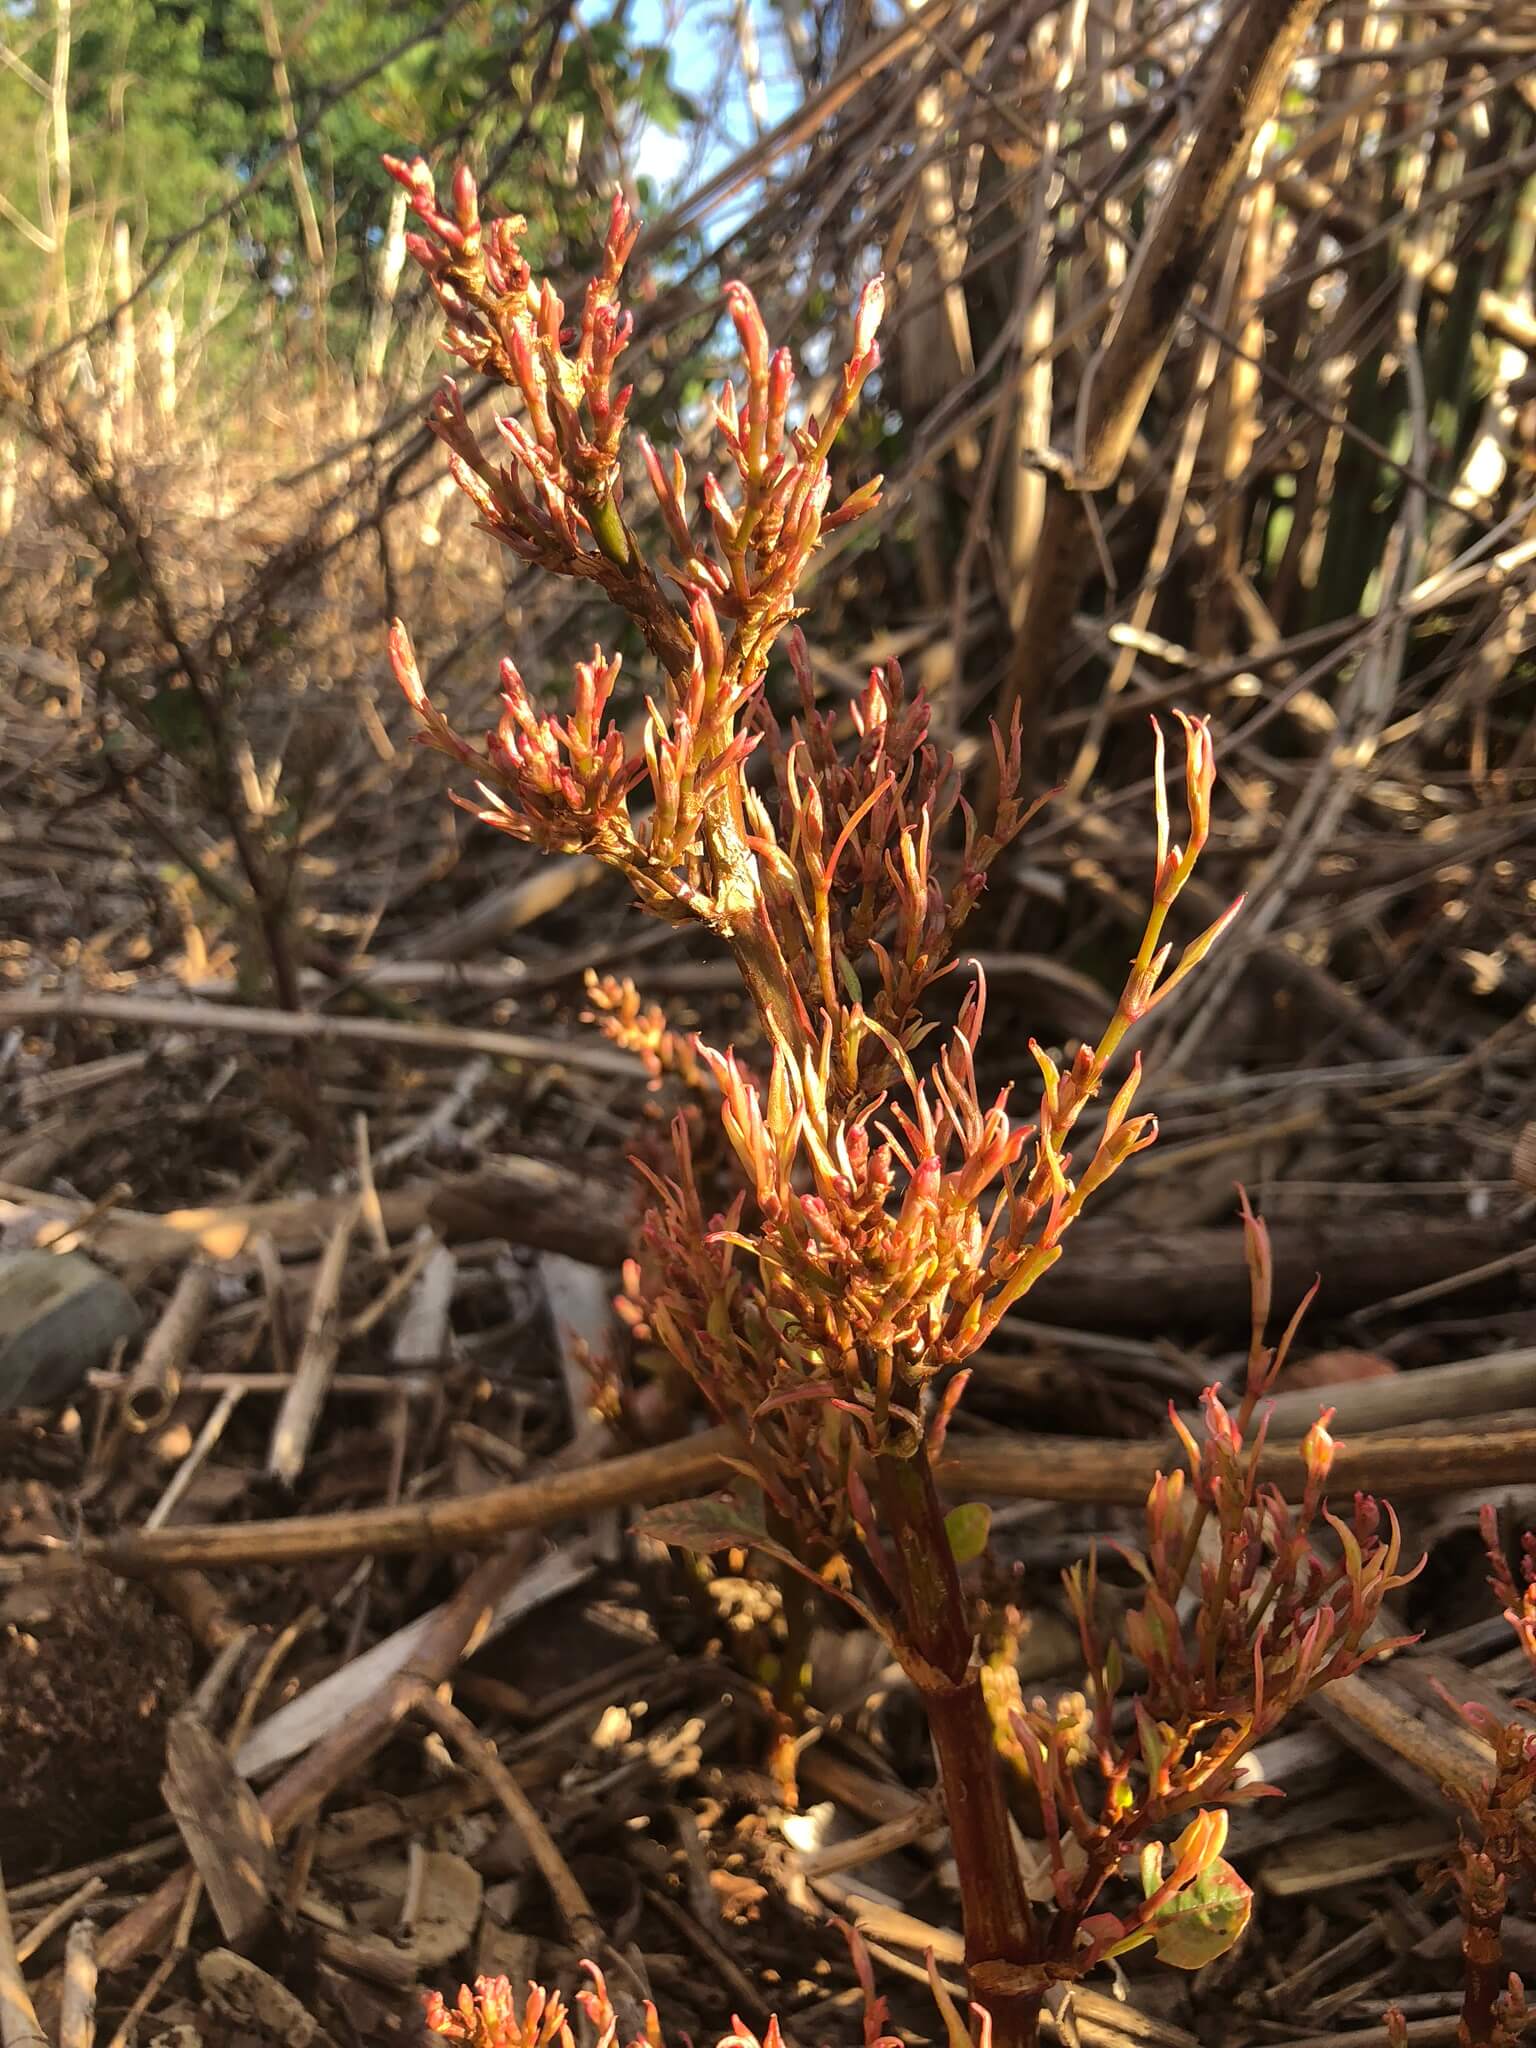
<point x="309" y="1027"/>
<point x="1013" y="1468"/>
<point x="301" y="1407"/>
<point x="581" y="1923"/>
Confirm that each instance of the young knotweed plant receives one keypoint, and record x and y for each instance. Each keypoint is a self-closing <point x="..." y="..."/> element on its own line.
<point x="889" y="1215"/>
<point x="1497" y="1845"/>
<point x="489" y="2015"/>
<point x="1240" y="1619"/>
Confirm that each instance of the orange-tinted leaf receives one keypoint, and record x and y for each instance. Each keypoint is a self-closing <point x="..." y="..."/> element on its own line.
<point x="1203" y="1920"/>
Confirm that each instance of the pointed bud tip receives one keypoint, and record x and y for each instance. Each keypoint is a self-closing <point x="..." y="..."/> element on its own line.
<point x="870" y="313"/>
<point x="402" y="657"/>
<point x="412" y="173"/>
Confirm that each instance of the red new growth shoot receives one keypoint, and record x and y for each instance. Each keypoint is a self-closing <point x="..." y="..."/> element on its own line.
<point x="889" y="1208"/>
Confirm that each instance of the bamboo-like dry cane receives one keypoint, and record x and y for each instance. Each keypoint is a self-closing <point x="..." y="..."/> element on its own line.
<point x="19" y="2026"/>
<point x="77" y="2007"/>
<point x="155" y="1380"/>
<point x="317" y="1356"/>
<point x="1245" y="77"/>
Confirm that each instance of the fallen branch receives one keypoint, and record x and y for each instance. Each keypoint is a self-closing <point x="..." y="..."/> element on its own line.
<point x="1407" y="1464"/>
<point x="310" y="1027"/>
<point x="1433" y="1393"/>
<point x="1155" y="1280"/>
<point x="586" y="1211"/>
<point x="312" y="1376"/>
<point x="294" y="1223"/>
<point x="155" y="1381"/>
<point x="1160" y="1280"/>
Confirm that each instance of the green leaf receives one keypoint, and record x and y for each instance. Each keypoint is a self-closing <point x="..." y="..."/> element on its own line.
<point x="1114" y="1667"/>
<point x="1154" y="1746"/>
<point x="1203" y="1920"/>
<point x="176" y="718"/>
<point x="966" y="1528"/>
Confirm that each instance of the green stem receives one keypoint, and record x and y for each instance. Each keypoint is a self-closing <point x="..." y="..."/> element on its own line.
<point x="939" y="1654"/>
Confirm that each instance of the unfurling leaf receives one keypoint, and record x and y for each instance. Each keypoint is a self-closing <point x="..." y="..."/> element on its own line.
<point x="967" y="1528"/>
<point x="1203" y="1920"/>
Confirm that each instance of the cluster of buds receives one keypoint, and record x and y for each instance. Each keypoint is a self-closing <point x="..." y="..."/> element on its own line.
<point x="1495" y="2010"/>
<point x="625" y="1019"/>
<point x="489" y="2016"/>
<point x="884" y="1231"/>
<point x="1270" y="1623"/>
<point x="507" y="326"/>
<point x="565" y="784"/>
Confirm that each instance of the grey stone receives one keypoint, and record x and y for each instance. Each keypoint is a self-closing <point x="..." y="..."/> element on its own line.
<point x="60" y="1316"/>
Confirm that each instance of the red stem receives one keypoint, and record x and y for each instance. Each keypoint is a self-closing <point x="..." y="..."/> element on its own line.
<point x="1483" y="1897"/>
<point x="939" y="1654"/>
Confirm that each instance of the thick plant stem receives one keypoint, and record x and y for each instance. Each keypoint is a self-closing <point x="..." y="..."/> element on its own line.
<point x="939" y="1654"/>
<point x="1485" y="1979"/>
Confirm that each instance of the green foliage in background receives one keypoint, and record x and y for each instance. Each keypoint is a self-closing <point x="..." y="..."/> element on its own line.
<point x="173" y="111"/>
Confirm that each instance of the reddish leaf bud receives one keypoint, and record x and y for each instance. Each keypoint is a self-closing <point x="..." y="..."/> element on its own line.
<point x="402" y="659"/>
<point x="781" y="377"/>
<point x="749" y="326"/>
<point x="1317" y="1450"/>
<point x="706" y="632"/>
<point x="855" y="505"/>
<point x="414" y="176"/>
<point x="1199" y="772"/>
<point x="466" y="198"/>
<point x="623" y="232"/>
<point x="871" y="312"/>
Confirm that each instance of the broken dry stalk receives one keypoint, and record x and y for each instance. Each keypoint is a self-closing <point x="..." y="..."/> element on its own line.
<point x="18" y="2017"/>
